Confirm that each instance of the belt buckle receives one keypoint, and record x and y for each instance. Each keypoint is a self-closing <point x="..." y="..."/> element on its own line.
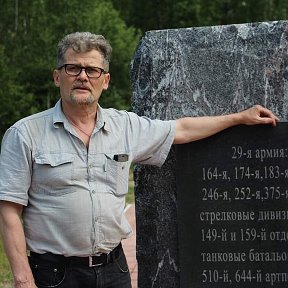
<point x="91" y="262"/>
<point x="107" y="257"/>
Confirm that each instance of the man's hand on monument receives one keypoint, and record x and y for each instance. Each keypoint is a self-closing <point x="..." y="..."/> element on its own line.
<point x="258" y="115"/>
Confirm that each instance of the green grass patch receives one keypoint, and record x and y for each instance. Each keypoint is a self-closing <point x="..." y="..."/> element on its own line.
<point x="5" y="274"/>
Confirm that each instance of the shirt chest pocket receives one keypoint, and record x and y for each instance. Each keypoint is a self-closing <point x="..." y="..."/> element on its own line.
<point x="53" y="173"/>
<point x="112" y="176"/>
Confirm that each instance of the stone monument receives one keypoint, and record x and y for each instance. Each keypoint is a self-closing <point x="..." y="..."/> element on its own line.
<point x="196" y="72"/>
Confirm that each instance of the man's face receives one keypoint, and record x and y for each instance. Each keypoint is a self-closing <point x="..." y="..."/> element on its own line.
<point x="81" y="90"/>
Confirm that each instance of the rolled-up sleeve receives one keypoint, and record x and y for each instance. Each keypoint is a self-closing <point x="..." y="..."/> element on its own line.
<point x="15" y="168"/>
<point x="152" y="139"/>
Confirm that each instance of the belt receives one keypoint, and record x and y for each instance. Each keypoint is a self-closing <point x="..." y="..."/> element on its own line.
<point x="90" y="261"/>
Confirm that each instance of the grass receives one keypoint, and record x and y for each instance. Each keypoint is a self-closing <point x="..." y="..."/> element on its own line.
<point x="5" y="273"/>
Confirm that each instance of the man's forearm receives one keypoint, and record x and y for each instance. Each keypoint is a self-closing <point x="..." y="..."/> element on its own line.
<point x="15" y="245"/>
<point x="195" y="128"/>
<point x="191" y="129"/>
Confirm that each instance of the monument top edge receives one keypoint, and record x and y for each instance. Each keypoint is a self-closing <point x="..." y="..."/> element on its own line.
<point x="267" y="24"/>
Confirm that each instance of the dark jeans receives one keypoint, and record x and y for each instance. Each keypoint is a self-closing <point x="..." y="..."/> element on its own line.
<point x="51" y="273"/>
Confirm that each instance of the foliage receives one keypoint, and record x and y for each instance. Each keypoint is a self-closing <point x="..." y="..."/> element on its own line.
<point x="14" y="102"/>
<point x="166" y="14"/>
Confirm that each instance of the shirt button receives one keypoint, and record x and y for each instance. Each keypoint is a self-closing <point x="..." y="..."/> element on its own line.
<point x="93" y="191"/>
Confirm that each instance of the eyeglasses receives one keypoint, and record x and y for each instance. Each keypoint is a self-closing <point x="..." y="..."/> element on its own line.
<point x="75" y="70"/>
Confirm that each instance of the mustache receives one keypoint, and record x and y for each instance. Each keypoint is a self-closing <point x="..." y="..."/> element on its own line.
<point x="80" y="86"/>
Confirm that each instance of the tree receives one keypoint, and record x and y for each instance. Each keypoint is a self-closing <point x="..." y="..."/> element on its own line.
<point x="104" y="19"/>
<point x="14" y="103"/>
<point x="150" y="15"/>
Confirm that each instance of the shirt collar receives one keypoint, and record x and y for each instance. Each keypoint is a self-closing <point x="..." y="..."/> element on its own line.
<point x="59" y="117"/>
<point x="102" y="119"/>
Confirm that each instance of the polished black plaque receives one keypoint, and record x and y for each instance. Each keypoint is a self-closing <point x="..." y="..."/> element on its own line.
<point x="232" y="191"/>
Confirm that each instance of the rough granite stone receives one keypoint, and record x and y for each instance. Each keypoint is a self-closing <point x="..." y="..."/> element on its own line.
<point x="196" y="72"/>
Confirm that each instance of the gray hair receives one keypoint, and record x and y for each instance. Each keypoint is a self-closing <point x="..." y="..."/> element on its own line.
<point x="84" y="42"/>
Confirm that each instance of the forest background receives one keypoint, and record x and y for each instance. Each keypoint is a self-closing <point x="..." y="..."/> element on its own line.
<point x="31" y="29"/>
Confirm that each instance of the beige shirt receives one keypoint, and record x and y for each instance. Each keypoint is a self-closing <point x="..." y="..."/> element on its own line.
<point x="74" y="197"/>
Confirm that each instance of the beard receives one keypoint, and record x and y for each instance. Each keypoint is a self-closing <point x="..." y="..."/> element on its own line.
<point x="84" y="100"/>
